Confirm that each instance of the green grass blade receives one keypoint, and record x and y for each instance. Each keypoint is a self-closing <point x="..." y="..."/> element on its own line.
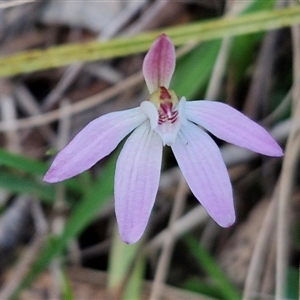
<point x="212" y="269"/>
<point x="196" y="68"/>
<point x="18" y="184"/>
<point x="82" y="215"/>
<point x="23" y="163"/>
<point x="35" y="60"/>
<point x="126" y="265"/>
<point x="67" y="293"/>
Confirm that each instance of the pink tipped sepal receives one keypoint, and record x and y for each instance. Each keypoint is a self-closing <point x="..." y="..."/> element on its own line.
<point x="159" y="63"/>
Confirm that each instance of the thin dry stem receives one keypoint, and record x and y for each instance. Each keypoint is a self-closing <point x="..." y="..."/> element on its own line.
<point x="9" y="116"/>
<point x="59" y="220"/>
<point x="29" y="105"/>
<point x="279" y="110"/>
<point x="29" y="254"/>
<point x="15" y="3"/>
<point x="67" y="79"/>
<point x="287" y="177"/>
<point x="79" y="107"/>
<point x="183" y="225"/>
<point x="150" y="14"/>
<point x="233" y="8"/>
<point x="289" y="169"/>
<point x="256" y="266"/>
<point x="73" y="71"/>
<point x="165" y="257"/>
<point x="219" y="70"/>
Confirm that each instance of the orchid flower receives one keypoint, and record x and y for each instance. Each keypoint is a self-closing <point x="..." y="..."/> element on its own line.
<point x="163" y="119"/>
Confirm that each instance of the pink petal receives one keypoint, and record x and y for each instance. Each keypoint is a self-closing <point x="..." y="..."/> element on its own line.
<point x="202" y="165"/>
<point x="159" y="63"/>
<point x="99" y="138"/>
<point x="136" y="181"/>
<point x="232" y="126"/>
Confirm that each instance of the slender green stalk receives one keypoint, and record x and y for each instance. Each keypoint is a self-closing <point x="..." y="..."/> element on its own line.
<point x="126" y="269"/>
<point x="36" y="60"/>
<point x="212" y="269"/>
